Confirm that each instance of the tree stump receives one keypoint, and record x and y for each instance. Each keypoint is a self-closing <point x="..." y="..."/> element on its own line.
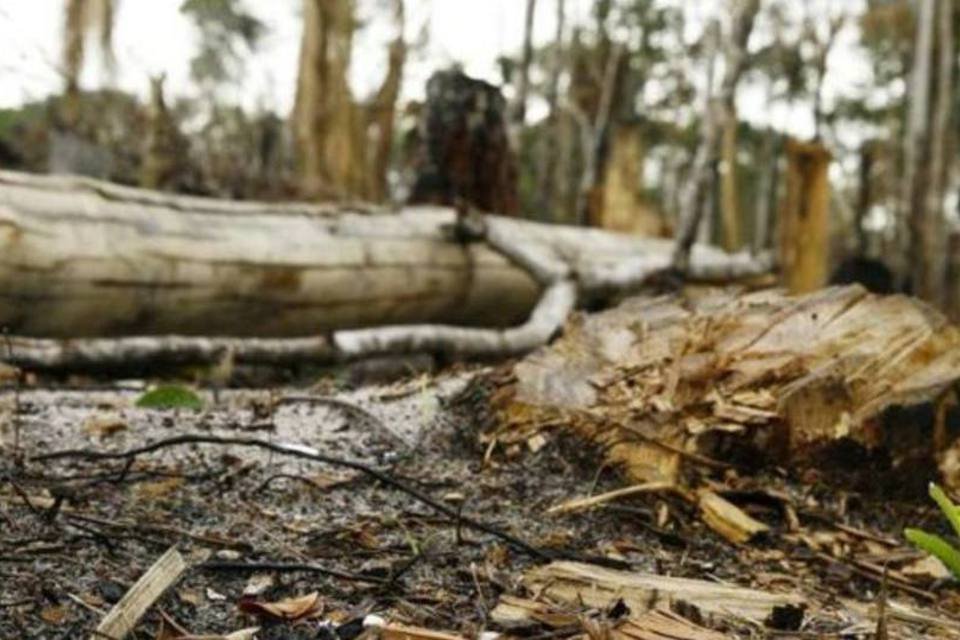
<point x="464" y="154"/>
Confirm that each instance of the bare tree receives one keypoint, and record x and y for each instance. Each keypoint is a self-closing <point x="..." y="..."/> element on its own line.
<point x="519" y="108"/>
<point x="924" y="225"/>
<point x="718" y="110"/>
<point x="550" y="138"/>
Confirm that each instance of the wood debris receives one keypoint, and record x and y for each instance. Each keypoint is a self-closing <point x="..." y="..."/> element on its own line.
<point x="673" y="383"/>
<point x="593" y="586"/>
<point x="124" y="616"/>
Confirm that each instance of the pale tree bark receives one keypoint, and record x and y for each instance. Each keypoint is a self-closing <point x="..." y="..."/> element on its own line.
<point x="595" y="134"/>
<point x="924" y="225"/>
<point x="717" y="112"/>
<point x="766" y="196"/>
<point x="518" y="111"/>
<point x="325" y="118"/>
<point x="941" y="134"/>
<point x="86" y="260"/>
<point x="384" y="108"/>
<point x="551" y="137"/>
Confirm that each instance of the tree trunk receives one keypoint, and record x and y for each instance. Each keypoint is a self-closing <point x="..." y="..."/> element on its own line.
<point x="729" y="197"/>
<point x="925" y="232"/>
<point x="804" y="218"/>
<point x="384" y="107"/>
<point x="621" y="206"/>
<point x="87" y="258"/>
<point x="941" y="161"/>
<point x="551" y="138"/>
<point x="766" y="196"/>
<point x="717" y="111"/>
<point x="519" y="107"/>
<point x="325" y="119"/>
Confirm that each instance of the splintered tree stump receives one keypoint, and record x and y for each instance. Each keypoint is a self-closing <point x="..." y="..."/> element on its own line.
<point x="464" y="154"/>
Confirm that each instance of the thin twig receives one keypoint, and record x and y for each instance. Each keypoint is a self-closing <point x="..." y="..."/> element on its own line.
<point x="309" y="453"/>
<point x="288" y="568"/>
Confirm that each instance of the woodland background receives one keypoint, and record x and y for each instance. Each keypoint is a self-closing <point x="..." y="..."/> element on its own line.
<point x="628" y="119"/>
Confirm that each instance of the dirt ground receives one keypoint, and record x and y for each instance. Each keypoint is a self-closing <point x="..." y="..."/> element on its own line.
<point x="76" y="533"/>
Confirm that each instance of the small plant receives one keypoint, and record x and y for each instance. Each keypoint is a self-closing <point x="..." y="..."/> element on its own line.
<point x="170" y="397"/>
<point x="934" y="544"/>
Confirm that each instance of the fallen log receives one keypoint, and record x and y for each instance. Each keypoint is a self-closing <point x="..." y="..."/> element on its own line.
<point x="86" y="259"/>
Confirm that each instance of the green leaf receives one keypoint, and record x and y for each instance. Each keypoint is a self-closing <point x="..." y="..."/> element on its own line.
<point x="937" y="547"/>
<point x="949" y="509"/>
<point x="170" y="397"/>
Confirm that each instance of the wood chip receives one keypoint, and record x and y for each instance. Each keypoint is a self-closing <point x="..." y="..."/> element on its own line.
<point x="727" y="519"/>
<point x="580" y="504"/>
<point x="125" y="615"/>
<point x="581" y="584"/>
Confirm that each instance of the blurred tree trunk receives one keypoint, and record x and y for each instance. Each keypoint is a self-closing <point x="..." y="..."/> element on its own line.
<point x="621" y="206"/>
<point x="766" y="196"/>
<point x="553" y="130"/>
<point x="925" y="230"/>
<point x="718" y="110"/>
<point x="729" y="195"/>
<point x="518" y="111"/>
<point x="162" y="150"/>
<point x="595" y="133"/>
<point x="865" y="195"/>
<point x="344" y="147"/>
<point x="325" y="118"/>
<point x="804" y="217"/>
<point x="941" y="160"/>
<point x="384" y="109"/>
<point x="83" y="17"/>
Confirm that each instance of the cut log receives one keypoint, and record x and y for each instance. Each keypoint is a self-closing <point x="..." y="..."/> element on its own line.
<point x="84" y="258"/>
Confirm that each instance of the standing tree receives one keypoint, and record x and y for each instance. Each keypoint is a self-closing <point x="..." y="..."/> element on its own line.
<point x="330" y="127"/>
<point x="83" y="18"/>
<point x="926" y="229"/>
<point x="518" y="109"/>
<point x="717" y="112"/>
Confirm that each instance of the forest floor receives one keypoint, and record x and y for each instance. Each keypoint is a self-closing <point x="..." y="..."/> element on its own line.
<point x="257" y="526"/>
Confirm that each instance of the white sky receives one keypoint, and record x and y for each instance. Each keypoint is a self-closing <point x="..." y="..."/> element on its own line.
<point x="152" y="37"/>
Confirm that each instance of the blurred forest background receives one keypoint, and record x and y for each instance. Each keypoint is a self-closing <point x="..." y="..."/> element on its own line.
<point x="630" y="118"/>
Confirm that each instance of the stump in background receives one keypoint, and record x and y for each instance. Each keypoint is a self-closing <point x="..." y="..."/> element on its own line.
<point x="804" y="217"/>
<point x="464" y="150"/>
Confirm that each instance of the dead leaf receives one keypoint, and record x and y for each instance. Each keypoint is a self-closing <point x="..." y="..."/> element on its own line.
<point x="54" y="615"/>
<point x="158" y="489"/>
<point x="927" y="567"/>
<point x="298" y="608"/>
<point x="104" y="425"/>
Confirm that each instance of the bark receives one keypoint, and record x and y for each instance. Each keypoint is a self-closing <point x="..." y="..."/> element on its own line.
<point x="620" y="206"/>
<point x="595" y="136"/>
<point x="924" y="230"/>
<point x="718" y="110"/>
<point x="804" y="218"/>
<point x="325" y="118"/>
<point x="87" y="259"/>
<point x="940" y="161"/>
